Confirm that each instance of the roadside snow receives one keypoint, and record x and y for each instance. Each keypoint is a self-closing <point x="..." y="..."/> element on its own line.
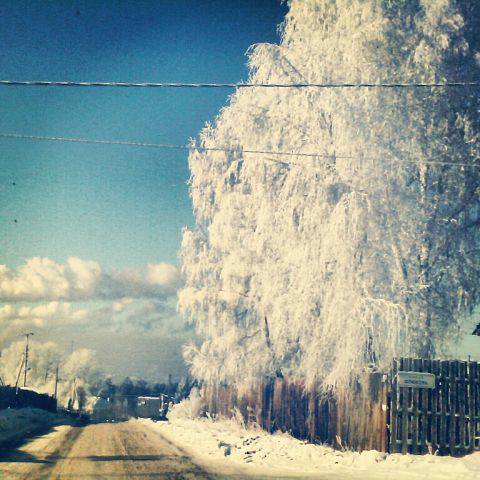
<point x="227" y="446"/>
<point x="15" y="425"/>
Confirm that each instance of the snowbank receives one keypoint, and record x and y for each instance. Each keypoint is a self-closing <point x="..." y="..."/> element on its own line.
<point x="16" y="425"/>
<point x="227" y="446"/>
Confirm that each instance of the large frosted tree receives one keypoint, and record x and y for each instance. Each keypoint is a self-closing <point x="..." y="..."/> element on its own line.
<point x="317" y="266"/>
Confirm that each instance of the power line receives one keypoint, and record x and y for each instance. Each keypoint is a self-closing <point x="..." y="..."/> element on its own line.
<point x="155" y="145"/>
<point x="226" y="150"/>
<point x="49" y="83"/>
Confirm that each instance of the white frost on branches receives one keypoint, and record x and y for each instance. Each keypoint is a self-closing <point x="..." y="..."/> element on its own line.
<point x="77" y="371"/>
<point x="317" y="267"/>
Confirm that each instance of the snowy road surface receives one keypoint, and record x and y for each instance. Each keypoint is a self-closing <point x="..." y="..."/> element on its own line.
<point x="99" y="451"/>
<point x="201" y="449"/>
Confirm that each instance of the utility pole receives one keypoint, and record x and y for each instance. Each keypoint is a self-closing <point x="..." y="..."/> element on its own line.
<point x="19" y="373"/>
<point x="74" y="393"/>
<point x="56" y="383"/>
<point x="47" y="371"/>
<point x="27" y="335"/>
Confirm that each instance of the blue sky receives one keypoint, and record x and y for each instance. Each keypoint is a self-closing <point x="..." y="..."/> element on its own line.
<point x="120" y="206"/>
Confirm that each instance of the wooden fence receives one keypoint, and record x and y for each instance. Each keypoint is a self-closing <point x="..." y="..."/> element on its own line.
<point x="444" y="419"/>
<point x="357" y="420"/>
<point x="375" y="414"/>
<point x="10" y="397"/>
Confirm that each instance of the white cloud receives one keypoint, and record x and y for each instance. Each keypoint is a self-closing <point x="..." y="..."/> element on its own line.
<point x="39" y="294"/>
<point x="128" y="315"/>
<point x="16" y="317"/>
<point x="162" y="274"/>
<point x="37" y="279"/>
<point x="124" y="315"/>
<point x="120" y="305"/>
<point x="42" y="279"/>
<point x="84" y="275"/>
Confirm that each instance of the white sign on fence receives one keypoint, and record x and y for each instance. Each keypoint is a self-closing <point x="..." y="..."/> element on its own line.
<point x="416" y="379"/>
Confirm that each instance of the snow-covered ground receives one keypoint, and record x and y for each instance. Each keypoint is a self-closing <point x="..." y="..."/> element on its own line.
<point x="15" y="425"/>
<point x="226" y="446"/>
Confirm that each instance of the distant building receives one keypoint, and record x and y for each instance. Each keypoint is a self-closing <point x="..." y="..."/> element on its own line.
<point x="101" y="410"/>
<point x="152" y="407"/>
<point x="110" y="409"/>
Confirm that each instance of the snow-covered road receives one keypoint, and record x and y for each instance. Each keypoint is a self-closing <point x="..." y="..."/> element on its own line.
<point x="203" y="448"/>
<point x="227" y="447"/>
<point x="128" y="450"/>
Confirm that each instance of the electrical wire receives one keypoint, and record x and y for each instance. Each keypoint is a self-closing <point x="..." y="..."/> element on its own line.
<point x="226" y="150"/>
<point x="49" y="83"/>
<point x="156" y="145"/>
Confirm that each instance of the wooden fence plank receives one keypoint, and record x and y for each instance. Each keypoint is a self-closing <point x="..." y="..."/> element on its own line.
<point x="452" y="403"/>
<point x="426" y="366"/>
<point x="414" y="423"/>
<point x="462" y="400"/>
<point x="313" y="432"/>
<point x="383" y="420"/>
<point x="471" y="408"/>
<point x="476" y="396"/>
<point x="404" y="366"/>
<point x="434" y="407"/>
<point x="394" y="408"/>
<point x="443" y="404"/>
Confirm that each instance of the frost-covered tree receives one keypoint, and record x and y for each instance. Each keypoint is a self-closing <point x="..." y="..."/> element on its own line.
<point x="318" y="265"/>
<point x="77" y="370"/>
